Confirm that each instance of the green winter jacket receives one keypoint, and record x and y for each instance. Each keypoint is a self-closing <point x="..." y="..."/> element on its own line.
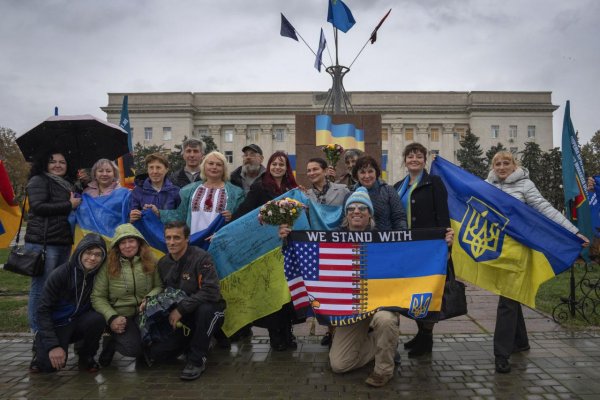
<point x="122" y="295"/>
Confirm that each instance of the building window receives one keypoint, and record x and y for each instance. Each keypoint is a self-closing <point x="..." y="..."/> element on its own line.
<point x="512" y="131"/>
<point x="228" y="135"/>
<point x="495" y="131"/>
<point x="409" y="134"/>
<point x="514" y="150"/>
<point x="531" y="131"/>
<point x="167" y="134"/>
<point x="435" y="134"/>
<point x="279" y="134"/>
<point x="252" y="135"/>
<point x="147" y="133"/>
<point x="198" y="133"/>
<point x="229" y="156"/>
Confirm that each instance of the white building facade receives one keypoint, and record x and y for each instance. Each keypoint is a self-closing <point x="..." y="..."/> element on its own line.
<point x="435" y="119"/>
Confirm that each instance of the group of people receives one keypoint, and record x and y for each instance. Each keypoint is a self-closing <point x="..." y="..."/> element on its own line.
<point x="104" y="289"/>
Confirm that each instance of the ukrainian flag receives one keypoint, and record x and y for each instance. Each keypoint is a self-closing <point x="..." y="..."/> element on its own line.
<point x="502" y="244"/>
<point x="346" y="135"/>
<point x="10" y="213"/>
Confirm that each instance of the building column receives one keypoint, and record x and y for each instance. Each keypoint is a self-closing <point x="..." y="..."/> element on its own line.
<point x="290" y="140"/>
<point x="395" y="148"/>
<point x="266" y="140"/>
<point x="239" y="141"/>
<point x="423" y="134"/>
<point x="448" y="142"/>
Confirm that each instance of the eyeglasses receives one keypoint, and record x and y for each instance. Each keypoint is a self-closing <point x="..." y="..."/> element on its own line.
<point x="351" y="209"/>
<point x="96" y="254"/>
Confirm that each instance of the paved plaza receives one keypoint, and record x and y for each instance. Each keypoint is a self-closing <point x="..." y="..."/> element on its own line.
<point x="561" y="364"/>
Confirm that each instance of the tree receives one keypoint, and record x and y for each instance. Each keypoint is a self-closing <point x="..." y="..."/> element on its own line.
<point x="590" y="152"/>
<point x="531" y="158"/>
<point x="140" y="153"/>
<point x="16" y="166"/>
<point x="470" y="155"/>
<point x="209" y="144"/>
<point x="550" y="181"/>
<point x="492" y="152"/>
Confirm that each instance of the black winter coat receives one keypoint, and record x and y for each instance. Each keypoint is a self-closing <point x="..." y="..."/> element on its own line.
<point x="67" y="291"/>
<point x="48" y="200"/>
<point x="195" y="274"/>
<point x="428" y="203"/>
<point x="180" y="178"/>
<point x="256" y="197"/>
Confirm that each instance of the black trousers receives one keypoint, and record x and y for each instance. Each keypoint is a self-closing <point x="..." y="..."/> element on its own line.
<point x="204" y="322"/>
<point x="88" y="328"/>
<point x="510" y="332"/>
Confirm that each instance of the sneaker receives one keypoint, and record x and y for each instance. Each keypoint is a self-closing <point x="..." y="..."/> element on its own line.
<point x="192" y="371"/>
<point x="502" y="365"/>
<point x="108" y="351"/>
<point x="377" y="380"/>
<point x="88" y="364"/>
<point x="326" y="341"/>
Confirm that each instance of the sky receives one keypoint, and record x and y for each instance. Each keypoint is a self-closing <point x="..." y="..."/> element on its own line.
<point x="70" y="54"/>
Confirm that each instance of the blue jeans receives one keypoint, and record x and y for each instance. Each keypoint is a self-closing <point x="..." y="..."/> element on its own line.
<point x="55" y="255"/>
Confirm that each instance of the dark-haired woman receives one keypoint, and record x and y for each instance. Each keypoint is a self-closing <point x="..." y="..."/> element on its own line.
<point x="121" y="287"/>
<point x="52" y="197"/>
<point x="425" y="200"/>
<point x="277" y="179"/>
<point x="389" y="212"/>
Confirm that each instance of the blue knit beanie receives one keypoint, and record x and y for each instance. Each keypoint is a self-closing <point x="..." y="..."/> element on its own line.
<point x="360" y="195"/>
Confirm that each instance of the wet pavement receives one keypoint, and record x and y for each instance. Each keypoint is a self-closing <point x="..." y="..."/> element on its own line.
<point x="561" y="364"/>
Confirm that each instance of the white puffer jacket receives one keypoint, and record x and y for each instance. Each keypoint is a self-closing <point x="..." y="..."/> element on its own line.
<point x="522" y="188"/>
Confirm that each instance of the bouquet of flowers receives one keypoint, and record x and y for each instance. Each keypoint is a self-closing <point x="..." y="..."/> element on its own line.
<point x="283" y="211"/>
<point x="333" y="153"/>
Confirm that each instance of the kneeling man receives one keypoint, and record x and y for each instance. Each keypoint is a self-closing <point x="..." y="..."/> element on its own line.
<point x="65" y="314"/>
<point x="190" y="269"/>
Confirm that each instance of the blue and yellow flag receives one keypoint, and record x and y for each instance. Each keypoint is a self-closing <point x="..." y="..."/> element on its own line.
<point x="344" y="277"/>
<point x="346" y="135"/>
<point x="250" y="266"/>
<point x="10" y="213"/>
<point x="502" y="244"/>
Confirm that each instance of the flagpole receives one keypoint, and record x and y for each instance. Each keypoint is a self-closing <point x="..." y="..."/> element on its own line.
<point x="361" y="50"/>
<point x="310" y="48"/>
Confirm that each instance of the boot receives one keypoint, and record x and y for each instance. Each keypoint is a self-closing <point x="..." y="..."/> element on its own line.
<point x="277" y="338"/>
<point x="108" y="351"/>
<point x="423" y="346"/>
<point x="290" y="339"/>
<point x="413" y="342"/>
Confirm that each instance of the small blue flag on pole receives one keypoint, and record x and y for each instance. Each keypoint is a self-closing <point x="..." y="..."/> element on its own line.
<point x="287" y="29"/>
<point x="322" y="44"/>
<point x="340" y="16"/>
<point x="124" y="122"/>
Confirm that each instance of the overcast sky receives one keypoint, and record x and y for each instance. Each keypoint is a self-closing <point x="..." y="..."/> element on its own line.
<point x="71" y="53"/>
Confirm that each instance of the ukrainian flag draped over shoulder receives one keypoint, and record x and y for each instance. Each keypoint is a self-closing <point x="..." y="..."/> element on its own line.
<point x="502" y="244"/>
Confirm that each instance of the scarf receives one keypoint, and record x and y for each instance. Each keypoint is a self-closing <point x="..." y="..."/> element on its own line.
<point x="60" y="181"/>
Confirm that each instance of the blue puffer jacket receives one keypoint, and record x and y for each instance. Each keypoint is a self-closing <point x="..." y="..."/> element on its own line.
<point x="67" y="292"/>
<point x="144" y="193"/>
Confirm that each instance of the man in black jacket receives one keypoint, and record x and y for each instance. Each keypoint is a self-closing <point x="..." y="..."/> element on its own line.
<point x="252" y="168"/>
<point x="192" y="153"/>
<point x="190" y="269"/>
<point x="65" y="314"/>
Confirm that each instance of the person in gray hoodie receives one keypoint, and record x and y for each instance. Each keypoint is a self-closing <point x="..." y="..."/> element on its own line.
<point x="65" y="313"/>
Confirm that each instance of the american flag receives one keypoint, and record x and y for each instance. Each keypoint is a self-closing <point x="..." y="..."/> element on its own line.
<point x="326" y="276"/>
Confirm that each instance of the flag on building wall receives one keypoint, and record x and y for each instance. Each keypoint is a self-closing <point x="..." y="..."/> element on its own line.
<point x="287" y="29"/>
<point x="574" y="181"/>
<point x="339" y="15"/>
<point x="319" y="57"/>
<point x="502" y="244"/>
<point x="10" y="213"/>
<point x="346" y="135"/>
<point x="125" y="162"/>
<point x="344" y="277"/>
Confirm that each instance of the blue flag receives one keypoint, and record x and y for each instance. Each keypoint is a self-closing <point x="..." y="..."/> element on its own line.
<point x="322" y="44"/>
<point x="595" y="207"/>
<point x="287" y="29"/>
<point x="124" y="122"/>
<point x="502" y="244"/>
<point x="576" y="196"/>
<point x="340" y="16"/>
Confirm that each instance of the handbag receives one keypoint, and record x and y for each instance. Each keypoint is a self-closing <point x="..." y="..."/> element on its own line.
<point x="454" y="300"/>
<point x="24" y="261"/>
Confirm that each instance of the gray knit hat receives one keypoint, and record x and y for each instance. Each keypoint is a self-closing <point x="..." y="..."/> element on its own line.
<point x="360" y="195"/>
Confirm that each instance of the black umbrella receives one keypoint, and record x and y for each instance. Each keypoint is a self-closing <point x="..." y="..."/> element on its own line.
<point x="83" y="139"/>
<point x="154" y="321"/>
